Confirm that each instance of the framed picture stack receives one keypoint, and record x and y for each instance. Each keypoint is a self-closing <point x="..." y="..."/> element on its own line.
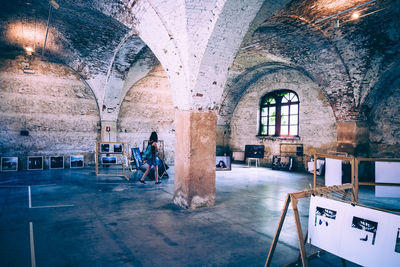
<point x="111" y="159"/>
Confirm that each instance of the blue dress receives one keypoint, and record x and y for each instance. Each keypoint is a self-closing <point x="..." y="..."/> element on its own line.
<point x="152" y="161"/>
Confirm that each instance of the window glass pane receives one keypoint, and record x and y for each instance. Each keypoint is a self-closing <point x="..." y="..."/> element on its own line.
<point x="285" y="99"/>
<point x="264" y="112"/>
<point x="271" y="130"/>
<point x="284" y="120"/>
<point x="294" y="119"/>
<point x="293" y="130"/>
<point x="264" y="120"/>
<point x="263" y="129"/>
<point x="272" y="111"/>
<point x="272" y="120"/>
<point x="284" y="110"/>
<point x="269" y="100"/>
<point x="294" y="109"/>
<point x="284" y="130"/>
<point x="294" y="98"/>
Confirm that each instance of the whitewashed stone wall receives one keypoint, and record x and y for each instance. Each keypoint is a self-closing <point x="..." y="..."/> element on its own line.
<point x="317" y="127"/>
<point x="148" y="107"/>
<point x="57" y="108"/>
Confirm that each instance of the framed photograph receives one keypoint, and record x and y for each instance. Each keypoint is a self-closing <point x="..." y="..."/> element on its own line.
<point x="9" y="164"/>
<point x="117" y="148"/>
<point x="35" y="163"/>
<point x="76" y="161"/>
<point x="109" y="160"/>
<point x="57" y="162"/>
<point x="104" y="148"/>
<point x="254" y="151"/>
<point x="223" y="163"/>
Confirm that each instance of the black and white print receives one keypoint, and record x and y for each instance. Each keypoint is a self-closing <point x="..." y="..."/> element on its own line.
<point x="324" y="216"/>
<point x="368" y="229"/>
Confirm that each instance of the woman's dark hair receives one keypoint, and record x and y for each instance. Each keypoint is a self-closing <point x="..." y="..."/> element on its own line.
<point x="153" y="137"/>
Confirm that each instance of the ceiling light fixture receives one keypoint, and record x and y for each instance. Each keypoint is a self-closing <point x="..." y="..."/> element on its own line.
<point x="355" y="16"/>
<point x="344" y="11"/>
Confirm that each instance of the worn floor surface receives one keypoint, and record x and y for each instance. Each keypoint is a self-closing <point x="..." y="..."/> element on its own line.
<point x="73" y="218"/>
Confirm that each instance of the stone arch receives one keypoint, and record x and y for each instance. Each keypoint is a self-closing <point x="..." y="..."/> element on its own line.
<point x="317" y="122"/>
<point x="148" y="107"/>
<point x="54" y="105"/>
<point x="381" y="107"/>
<point x="238" y="86"/>
<point x="132" y="61"/>
<point x="278" y="37"/>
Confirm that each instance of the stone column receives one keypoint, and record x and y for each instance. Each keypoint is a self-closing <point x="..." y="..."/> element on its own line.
<point x="108" y="131"/>
<point x="353" y="137"/>
<point x="195" y="142"/>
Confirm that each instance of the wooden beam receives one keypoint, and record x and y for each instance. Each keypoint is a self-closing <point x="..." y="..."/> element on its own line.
<point x="321" y="190"/>
<point x="379" y="159"/>
<point x="380" y="184"/>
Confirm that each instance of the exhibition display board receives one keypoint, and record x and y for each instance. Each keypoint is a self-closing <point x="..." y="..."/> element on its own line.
<point x="360" y="234"/>
<point x="111" y="159"/>
<point x="387" y="172"/>
<point x="293" y="198"/>
<point x="365" y="236"/>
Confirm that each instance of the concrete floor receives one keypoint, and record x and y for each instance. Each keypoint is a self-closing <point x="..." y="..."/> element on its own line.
<point x="78" y="219"/>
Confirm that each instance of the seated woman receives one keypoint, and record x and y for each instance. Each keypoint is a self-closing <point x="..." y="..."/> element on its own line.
<point x="150" y="157"/>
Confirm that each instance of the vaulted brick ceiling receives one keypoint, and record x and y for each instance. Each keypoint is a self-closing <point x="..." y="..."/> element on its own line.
<point x="102" y="40"/>
<point x="348" y="62"/>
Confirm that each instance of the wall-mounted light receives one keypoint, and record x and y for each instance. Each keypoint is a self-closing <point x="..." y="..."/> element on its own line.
<point x="29" y="50"/>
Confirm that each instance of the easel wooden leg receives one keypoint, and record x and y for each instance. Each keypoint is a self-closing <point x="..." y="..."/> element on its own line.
<point x="299" y="232"/>
<point x="278" y="232"/>
<point x="305" y="240"/>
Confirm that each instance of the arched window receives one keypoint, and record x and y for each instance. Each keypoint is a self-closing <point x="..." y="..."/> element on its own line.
<point x="279" y="114"/>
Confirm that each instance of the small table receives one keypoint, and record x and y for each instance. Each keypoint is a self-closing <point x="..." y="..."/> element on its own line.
<point x="255" y="159"/>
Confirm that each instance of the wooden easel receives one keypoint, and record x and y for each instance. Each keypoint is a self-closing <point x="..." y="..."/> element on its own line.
<point x="293" y="198"/>
<point x="123" y="155"/>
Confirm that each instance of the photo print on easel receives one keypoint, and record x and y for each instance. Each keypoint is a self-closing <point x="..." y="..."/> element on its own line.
<point x="104" y="148"/>
<point x="117" y="148"/>
<point x="397" y="247"/>
<point x="324" y="216"/>
<point x="109" y="160"/>
<point x="367" y="227"/>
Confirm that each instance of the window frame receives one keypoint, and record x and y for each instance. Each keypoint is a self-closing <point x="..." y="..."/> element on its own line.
<point x="278" y="95"/>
